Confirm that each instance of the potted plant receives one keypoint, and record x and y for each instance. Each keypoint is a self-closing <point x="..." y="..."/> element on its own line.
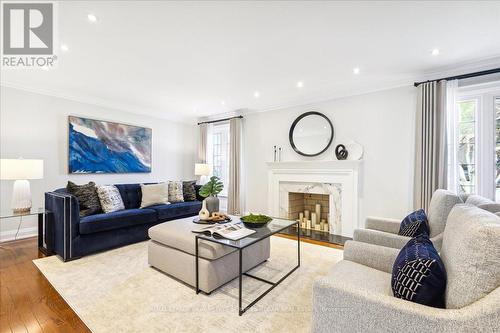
<point x="210" y="191"/>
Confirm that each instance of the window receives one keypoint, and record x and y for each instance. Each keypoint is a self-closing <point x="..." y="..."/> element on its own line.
<point x="218" y="156"/>
<point x="474" y="141"/>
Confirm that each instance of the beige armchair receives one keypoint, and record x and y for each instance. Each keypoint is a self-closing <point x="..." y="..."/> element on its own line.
<point x="384" y="231"/>
<point x="357" y="296"/>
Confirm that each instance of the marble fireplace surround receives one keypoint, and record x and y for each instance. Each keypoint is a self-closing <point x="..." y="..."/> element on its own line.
<point x="338" y="179"/>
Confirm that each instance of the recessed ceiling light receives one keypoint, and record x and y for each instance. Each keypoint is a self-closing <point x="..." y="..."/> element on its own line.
<point x="300" y="84"/>
<point x="435" y="52"/>
<point x="223" y="102"/>
<point x="92" y="18"/>
<point x="256" y="94"/>
<point x="64" y="47"/>
<point x="355" y="70"/>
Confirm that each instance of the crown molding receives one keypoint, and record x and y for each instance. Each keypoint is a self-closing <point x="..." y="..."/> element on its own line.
<point x="407" y="80"/>
<point x="136" y="110"/>
<point x="460" y="68"/>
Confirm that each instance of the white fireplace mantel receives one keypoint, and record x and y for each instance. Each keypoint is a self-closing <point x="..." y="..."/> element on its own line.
<point x="342" y="177"/>
<point x="348" y="165"/>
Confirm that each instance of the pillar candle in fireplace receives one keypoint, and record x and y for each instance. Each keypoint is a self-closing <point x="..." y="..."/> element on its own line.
<point x="308" y="224"/>
<point x="326" y="227"/>
<point x="313" y="220"/>
<point x="318" y="211"/>
<point x="301" y="217"/>
<point x="306" y="214"/>
<point x="317" y="227"/>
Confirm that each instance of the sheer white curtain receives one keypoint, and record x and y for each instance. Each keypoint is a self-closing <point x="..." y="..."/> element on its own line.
<point x="451" y="120"/>
<point x="205" y="148"/>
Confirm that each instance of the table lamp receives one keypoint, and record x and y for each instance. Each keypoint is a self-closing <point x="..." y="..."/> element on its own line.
<point x="201" y="169"/>
<point x="21" y="170"/>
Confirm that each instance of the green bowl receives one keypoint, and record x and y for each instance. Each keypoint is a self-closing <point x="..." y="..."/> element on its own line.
<point x="255" y="221"/>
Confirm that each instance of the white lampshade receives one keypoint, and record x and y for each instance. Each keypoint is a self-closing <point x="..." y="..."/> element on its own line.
<point x="202" y="169"/>
<point x="14" y="169"/>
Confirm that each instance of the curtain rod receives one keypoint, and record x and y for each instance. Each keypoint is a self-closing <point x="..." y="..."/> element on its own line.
<point x="218" y="120"/>
<point x="463" y="76"/>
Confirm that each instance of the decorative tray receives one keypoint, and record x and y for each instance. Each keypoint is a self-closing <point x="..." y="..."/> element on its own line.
<point x="198" y="221"/>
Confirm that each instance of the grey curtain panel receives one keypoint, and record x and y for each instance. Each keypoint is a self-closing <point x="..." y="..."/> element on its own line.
<point x="202" y="147"/>
<point x="430" y="148"/>
<point x="234" y="196"/>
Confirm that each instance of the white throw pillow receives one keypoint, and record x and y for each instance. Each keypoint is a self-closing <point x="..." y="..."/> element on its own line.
<point x="175" y="192"/>
<point x="154" y="194"/>
<point x="110" y="198"/>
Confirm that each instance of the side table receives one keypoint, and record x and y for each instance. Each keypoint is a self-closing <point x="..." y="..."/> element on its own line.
<point x="45" y="230"/>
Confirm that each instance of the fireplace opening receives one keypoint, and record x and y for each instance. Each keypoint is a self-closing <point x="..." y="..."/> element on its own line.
<point x="312" y="210"/>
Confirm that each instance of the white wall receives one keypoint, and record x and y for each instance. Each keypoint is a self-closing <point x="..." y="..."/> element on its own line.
<point x="383" y="122"/>
<point x="35" y="126"/>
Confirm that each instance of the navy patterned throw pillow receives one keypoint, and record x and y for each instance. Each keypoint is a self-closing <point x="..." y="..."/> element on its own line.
<point x="415" y="224"/>
<point x="418" y="274"/>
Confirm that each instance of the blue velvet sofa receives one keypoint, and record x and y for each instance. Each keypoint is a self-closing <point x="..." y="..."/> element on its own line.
<point x="75" y="237"/>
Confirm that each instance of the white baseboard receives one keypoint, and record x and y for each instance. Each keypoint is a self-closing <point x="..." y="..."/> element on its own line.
<point x="10" y="235"/>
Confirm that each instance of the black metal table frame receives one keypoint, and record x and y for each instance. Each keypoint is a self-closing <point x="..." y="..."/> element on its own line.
<point x="240" y="275"/>
<point x="46" y="249"/>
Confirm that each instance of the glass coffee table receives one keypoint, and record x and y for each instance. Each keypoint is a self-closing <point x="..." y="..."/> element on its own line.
<point x="275" y="226"/>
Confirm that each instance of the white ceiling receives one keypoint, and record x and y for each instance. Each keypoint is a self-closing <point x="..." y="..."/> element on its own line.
<point x="179" y="60"/>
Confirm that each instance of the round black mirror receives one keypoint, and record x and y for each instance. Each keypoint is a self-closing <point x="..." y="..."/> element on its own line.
<point x="311" y="134"/>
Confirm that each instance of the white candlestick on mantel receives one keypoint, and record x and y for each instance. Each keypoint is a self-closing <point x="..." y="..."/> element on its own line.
<point x="306" y="214"/>
<point x="313" y="220"/>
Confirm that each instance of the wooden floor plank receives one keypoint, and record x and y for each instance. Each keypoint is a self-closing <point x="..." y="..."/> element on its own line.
<point x="28" y="302"/>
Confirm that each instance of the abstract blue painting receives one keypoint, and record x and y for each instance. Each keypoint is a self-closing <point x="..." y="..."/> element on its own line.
<point x="97" y="146"/>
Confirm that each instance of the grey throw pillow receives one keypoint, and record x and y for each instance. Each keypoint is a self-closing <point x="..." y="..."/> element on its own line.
<point x="87" y="197"/>
<point x="110" y="198"/>
<point x="471" y="244"/>
<point x="188" y="190"/>
<point x="483" y="203"/>
<point x="491" y="207"/>
<point x="175" y="192"/>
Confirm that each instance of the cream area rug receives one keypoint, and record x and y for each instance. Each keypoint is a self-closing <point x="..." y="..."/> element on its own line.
<point x="117" y="291"/>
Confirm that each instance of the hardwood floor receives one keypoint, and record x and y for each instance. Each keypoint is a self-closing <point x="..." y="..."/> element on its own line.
<point x="28" y="302"/>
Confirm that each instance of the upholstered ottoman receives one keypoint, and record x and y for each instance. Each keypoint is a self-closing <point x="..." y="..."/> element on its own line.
<point x="172" y="250"/>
